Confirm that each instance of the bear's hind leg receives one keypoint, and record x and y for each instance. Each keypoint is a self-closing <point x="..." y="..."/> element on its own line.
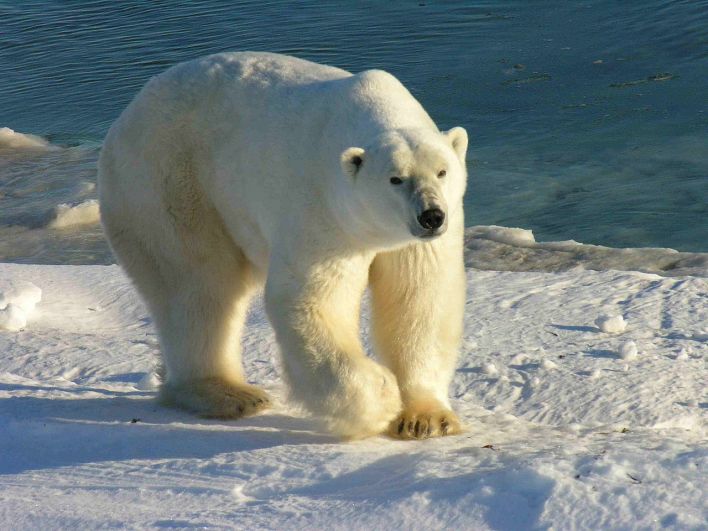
<point x="199" y="307"/>
<point x="200" y="333"/>
<point x="201" y="349"/>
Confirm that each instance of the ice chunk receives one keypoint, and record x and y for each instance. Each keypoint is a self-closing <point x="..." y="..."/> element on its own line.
<point x="17" y="299"/>
<point x="65" y="215"/>
<point x="548" y="365"/>
<point x="493" y="248"/>
<point x="508" y="235"/>
<point x="611" y="324"/>
<point x="490" y="369"/>
<point x="12" y="318"/>
<point x="20" y="293"/>
<point x="628" y="351"/>
<point x="10" y="139"/>
<point x="240" y="496"/>
<point x="71" y="373"/>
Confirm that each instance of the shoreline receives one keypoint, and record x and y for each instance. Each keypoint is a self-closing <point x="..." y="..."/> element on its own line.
<point x="487" y="248"/>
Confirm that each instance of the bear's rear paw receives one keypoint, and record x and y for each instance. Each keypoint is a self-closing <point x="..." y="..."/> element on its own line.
<point x="216" y="398"/>
<point x="421" y="421"/>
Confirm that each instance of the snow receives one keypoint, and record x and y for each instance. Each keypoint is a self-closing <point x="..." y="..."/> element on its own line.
<point x="66" y="215"/>
<point x="589" y="442"/>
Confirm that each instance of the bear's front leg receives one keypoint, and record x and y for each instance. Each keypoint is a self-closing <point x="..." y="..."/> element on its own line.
<point x="315" y="314"/>
<point x="418" y="296"/>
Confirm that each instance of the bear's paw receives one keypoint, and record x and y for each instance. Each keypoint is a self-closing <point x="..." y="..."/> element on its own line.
<point x="424" y="420"/>
<point x="364" y="403"/>
<point x="216" y="398"/>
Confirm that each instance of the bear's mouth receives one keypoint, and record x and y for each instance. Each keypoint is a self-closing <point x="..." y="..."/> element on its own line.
<point x="428" y="234"/>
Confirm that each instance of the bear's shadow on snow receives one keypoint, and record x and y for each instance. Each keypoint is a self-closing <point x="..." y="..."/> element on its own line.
<point x="402" y="476"/>
<point x="54" y="432"/>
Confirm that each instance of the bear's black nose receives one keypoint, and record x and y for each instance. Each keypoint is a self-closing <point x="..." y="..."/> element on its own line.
<point x="432" y="218"/>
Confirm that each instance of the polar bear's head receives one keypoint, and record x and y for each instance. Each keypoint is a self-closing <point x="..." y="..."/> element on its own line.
<point x="407" y="182"/>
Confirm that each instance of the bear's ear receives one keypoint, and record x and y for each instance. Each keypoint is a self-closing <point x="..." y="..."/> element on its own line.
<point x="352" y="159"/>
<point x="458" y="138"/>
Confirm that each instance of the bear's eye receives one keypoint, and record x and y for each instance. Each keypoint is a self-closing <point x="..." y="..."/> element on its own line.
<point x="442" y="173"/>
<point x="396" y="180"/>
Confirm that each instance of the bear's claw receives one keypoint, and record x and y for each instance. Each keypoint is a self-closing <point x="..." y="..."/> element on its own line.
<point x="416" y="424"/>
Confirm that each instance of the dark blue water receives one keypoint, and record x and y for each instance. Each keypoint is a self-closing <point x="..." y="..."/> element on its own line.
<point x="587" y="120"/>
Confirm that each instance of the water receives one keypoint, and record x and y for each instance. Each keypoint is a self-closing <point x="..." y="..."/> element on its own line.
<point x="587" y="120"/>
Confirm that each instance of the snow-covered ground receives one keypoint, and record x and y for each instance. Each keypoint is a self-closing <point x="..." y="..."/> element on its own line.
<point x="567" y="426"/>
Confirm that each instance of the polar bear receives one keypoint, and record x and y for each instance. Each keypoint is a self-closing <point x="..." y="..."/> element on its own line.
<point x="240" y="170"/>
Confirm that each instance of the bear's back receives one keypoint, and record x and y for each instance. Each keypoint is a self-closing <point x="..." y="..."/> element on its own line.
<point x="215" y="81"/>
<point x="231" y="72"/>
<point x="263" y="68"/>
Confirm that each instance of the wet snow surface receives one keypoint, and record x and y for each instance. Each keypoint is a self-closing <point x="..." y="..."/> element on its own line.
<point x="562" y="431"/>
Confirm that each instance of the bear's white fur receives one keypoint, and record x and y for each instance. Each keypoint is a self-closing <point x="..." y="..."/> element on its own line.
<point x="240" y="169"/>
